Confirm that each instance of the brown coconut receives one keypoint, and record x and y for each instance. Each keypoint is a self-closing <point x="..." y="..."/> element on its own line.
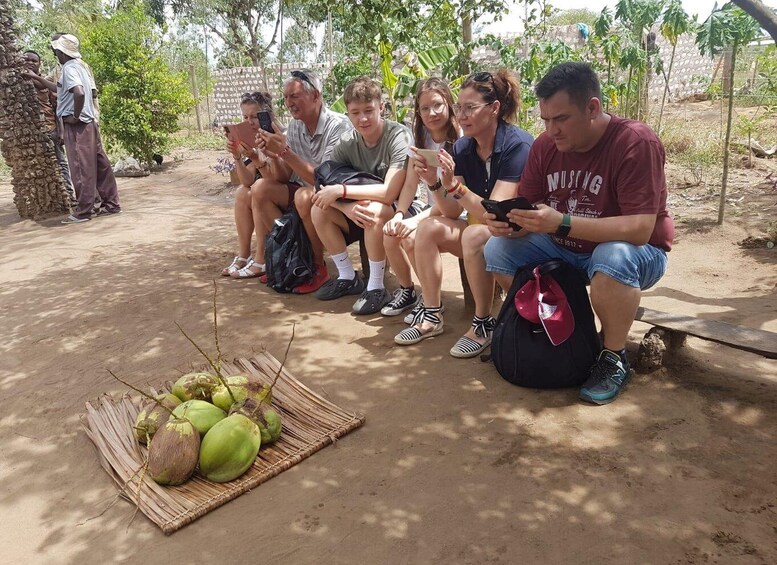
<point x="153" y="416"/>
<point x="173" y="453"/>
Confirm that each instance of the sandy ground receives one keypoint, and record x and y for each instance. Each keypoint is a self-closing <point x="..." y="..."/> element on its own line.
<point x="453" y="465"/>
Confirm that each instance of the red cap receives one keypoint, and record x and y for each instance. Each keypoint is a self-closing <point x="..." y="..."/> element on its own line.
<point x="541" y="300"/>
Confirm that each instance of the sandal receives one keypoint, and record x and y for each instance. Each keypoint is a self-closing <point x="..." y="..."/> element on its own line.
<point x="247" y="273"/>
<point x="236" y="264"/>
<point x="467" y="347"/>
<point x="414" y="334"/>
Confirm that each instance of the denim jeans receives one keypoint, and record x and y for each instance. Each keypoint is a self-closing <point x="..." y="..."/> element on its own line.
<point x="632" y="265"/>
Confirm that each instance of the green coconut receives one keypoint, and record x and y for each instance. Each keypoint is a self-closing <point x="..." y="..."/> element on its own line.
<point x="229" y="448"/>
<point x="203" y="415"/>
<point x="172" y="454"/>
<point x="153" y="416"/>
<point x="263" y="415"/>
<point x="195" y="386"/>
<point x="242" y="387"/>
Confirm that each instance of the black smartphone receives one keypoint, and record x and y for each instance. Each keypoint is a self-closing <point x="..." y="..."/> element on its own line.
<point x="265" y="121"/>
<point x="501" y="208"/>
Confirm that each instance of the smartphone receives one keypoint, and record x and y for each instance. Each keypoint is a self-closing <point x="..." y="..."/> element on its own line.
<point x="501" y="208"/>
<point x="431" y="157"/>
<point x="242" y="132"/>
<point x="265" y="121"/>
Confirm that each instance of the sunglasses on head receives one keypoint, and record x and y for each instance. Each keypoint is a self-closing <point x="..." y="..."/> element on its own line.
<point x="256" y="97"/>
<point x="303" y="77"/>
<point x="483" y="76"/>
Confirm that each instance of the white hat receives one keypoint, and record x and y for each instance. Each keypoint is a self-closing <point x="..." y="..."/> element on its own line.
<point x="68" y="44"/>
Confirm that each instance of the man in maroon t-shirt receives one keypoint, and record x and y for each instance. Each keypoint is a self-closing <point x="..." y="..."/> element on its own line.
<point x="598" y="182"/>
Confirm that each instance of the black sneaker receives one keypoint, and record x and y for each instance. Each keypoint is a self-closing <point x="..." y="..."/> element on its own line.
<point x="337" y="288"/>
<point x="404" y="299"/>
<point x="371" y="301"/>
<point x="607" y="378"/>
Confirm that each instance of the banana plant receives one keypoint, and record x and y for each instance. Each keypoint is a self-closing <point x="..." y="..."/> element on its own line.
<point x="727" y="27"/>
<point x="675" y="22"/>
<point x="610" y="46"/>
<point x="402" y="84"/>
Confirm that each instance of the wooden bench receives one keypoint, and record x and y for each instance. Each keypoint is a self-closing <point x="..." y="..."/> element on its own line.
<point x="677" y="327"/>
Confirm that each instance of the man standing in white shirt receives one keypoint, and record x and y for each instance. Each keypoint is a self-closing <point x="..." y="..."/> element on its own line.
<point x="90" y="169"/>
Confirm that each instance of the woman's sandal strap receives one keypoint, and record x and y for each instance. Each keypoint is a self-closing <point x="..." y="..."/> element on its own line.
<point x="227" y="271"/>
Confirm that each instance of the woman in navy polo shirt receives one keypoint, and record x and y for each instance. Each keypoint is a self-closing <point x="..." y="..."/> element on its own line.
<point x="486" y="163"/>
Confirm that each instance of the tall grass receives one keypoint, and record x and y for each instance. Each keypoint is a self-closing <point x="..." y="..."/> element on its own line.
<point x="696" y="147"/>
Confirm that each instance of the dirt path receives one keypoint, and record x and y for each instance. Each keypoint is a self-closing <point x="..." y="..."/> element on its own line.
<point x="453" y="465"/>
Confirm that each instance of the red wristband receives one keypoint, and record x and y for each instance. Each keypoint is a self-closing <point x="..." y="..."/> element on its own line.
<point x="343" y="190"/>
<point x="285" y="150"/>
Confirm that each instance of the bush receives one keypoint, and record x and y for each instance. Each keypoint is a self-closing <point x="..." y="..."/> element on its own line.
<point x="342" y="74"/>
<point x="140" y="98"/>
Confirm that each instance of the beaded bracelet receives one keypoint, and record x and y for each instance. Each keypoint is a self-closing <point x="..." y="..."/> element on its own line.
<point x="461" y="190"/>
<point x="285" y="150"/>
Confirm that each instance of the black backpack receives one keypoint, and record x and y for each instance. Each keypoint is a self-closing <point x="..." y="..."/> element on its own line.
<point x="521" y="350"/>
<point x="288" y="255"/>
<point x="334" y="172"/>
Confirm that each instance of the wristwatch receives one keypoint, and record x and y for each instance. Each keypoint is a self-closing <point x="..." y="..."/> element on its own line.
<point x="566" y="225"/>
<point x="436" y="186"/>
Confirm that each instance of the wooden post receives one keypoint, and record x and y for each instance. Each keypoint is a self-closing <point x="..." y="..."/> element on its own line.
<point x="728" y="70"/>
<point x="196" y="96"/>
<point x="207" y="78"/>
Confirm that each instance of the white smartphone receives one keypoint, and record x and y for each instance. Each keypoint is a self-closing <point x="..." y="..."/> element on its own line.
<point x="430" y="155"/>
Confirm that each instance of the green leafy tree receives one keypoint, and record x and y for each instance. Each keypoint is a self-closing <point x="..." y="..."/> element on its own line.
<point x="727" y="27"/>
<point x="675" y="22"/>
<point x="36" y="21"/>
<point x="241" y="26"/>
<point x="400" y="85"/>
<point x="344" y="72"/>
<point x="141" y="99"/>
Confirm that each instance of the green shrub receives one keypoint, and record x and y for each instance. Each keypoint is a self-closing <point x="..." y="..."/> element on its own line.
<point x="140" y="98"/>
<point x="5" y="170"/>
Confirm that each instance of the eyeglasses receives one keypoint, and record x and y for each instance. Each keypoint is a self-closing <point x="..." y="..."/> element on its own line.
<point x="469" y="109"/>
<point x="303" y="77"/>
<point x="436" y="108"/>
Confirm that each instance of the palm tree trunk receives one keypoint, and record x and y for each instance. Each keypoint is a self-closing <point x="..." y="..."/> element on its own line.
<point x="39" y="189"/>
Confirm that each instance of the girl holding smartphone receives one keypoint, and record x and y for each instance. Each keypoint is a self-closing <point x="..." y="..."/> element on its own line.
<point x="249" y="166"/>
<point x="486" y="163"/>
<point x="434" y="127"/>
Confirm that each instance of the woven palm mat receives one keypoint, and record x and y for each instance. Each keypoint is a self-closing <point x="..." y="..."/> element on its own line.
<point x="310" y="423"/>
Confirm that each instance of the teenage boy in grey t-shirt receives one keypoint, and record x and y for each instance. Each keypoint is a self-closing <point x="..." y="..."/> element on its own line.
<point x="342" y="213"/>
